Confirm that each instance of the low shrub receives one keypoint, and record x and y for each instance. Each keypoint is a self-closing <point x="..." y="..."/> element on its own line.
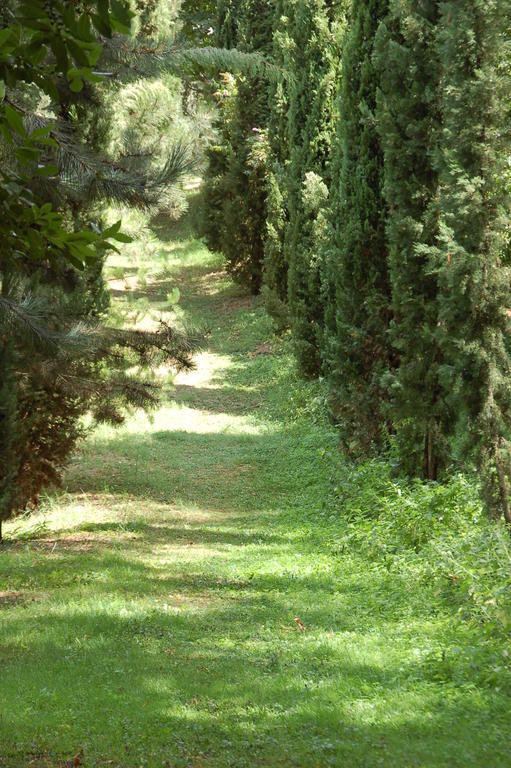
<point x="438" y="530"/>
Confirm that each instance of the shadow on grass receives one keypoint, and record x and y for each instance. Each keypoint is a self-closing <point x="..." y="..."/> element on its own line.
<point x="219" y="668"/>
<point x="210" y="471"/>
<point x="215" y="628"/>
<point x="233" y="400"/>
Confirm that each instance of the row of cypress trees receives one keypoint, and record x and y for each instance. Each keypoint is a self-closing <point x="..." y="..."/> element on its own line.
<point x="384" y="217"/>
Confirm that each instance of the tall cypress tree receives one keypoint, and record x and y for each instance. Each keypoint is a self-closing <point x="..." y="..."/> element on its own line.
<point x="312" y="119"/>
<point x="235" y="185"/>
<point x="357" y="350"/>
<point x="408" y="118"/>
<point x="277" y="217"/>
<point x="308" y="43"/>
<point x="473" y="259"/>
<point x="227" y="14"/>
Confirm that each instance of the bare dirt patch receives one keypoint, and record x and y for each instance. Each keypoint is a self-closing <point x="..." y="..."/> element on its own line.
<point x="206" y="283"/>
<point x="230" y="471"/>
<point x="262" y="349"/>
<point x="71" y="543"/>
<point x="238" y="303"/>
<point x="9" y="599"/>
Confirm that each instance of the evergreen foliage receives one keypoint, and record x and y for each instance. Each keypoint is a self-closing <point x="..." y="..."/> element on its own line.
<point x="235" y="185"/>
<point x="408" y="119"/>
<point x="472" y="254"/>
<point x="315" y="31"/>
<point x="356" y="347"/>
<point x="59" y="359"/>
<point x="228" y="14"/>
<point x="381" y="237"/>
<point x="275" y="287"/>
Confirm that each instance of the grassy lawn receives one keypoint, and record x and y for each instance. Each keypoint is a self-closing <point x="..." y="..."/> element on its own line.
<point x="183" y="602"/>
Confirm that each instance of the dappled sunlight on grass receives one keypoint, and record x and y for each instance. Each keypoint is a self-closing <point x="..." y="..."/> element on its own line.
<point x="183" y="600"/>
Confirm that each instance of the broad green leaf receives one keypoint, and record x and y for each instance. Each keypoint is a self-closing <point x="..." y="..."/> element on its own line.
<point x="60" y="51"/>
<point x="15" y="120"/>
<point x="79" y="54"/>
<point x="47" y="170"/>
<point x="121" y="237"/>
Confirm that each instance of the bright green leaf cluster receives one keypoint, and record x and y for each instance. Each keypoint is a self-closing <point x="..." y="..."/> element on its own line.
<point x="43" y="43"/>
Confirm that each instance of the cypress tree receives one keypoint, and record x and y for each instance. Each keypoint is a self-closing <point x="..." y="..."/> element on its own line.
<point x="227" y="13"/>
<point x="235" y="185"/>
<point x="277" y="217"/>
<point x="357" y="350"/>
<point x="472" y="257"/>
<point x="310" y="43"/>
<point x="408" y="119"/>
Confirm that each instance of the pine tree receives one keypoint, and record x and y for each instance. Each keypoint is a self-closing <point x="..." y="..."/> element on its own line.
<point x="357" y="350"/>
<point x="408" y="119"/>
<point x="59" y="360"/>
<point x="9" y="461"/>
<point x="472" y="258"/>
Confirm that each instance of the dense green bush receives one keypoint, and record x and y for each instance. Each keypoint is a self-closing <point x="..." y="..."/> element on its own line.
<point x="437" y="530"/>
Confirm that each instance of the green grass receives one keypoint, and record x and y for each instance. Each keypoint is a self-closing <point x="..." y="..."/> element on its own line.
<point x="189" y="598"/>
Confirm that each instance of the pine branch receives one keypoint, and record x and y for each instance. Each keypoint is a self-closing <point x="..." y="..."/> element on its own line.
<point x="211" y="60"/>
<point x="85" y="176"/>
<point x="27" y="321"/>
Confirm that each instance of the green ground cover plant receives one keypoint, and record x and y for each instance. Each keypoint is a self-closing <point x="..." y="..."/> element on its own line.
<point x="216" y="586"/>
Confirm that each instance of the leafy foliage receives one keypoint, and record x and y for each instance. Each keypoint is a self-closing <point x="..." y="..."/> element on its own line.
<point x="38" y="46"/>
<point x="62" y="361"/>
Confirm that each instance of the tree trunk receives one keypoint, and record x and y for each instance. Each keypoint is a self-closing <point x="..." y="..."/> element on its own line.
<point x="503" y="487"/>
<point x="8" y="412"/>
<point x="430" y="463"/>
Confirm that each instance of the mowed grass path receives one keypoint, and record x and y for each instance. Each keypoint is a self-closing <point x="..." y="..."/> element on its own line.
<point x="182" y="602"/>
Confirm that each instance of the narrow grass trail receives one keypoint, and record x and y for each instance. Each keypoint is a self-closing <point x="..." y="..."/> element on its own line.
<point x="184" y="602"/>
